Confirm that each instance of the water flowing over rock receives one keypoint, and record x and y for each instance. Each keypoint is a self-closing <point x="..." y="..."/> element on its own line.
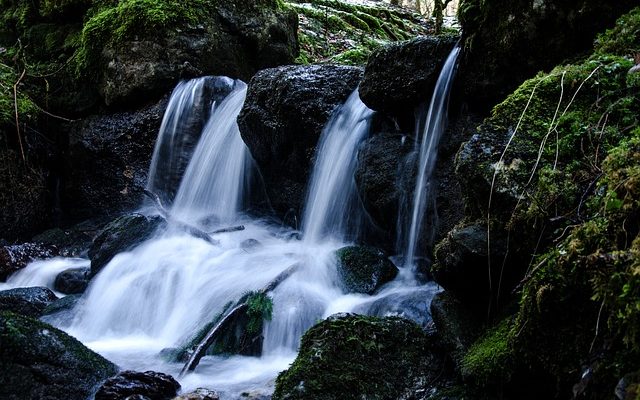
<point x="281" y="121"/>
<point x="400" y="76"/>
<point x="14" y="258"/>
<point x="42" y="362"/>
<point x="30" y="301"/>
<point x="121" y="234"/>
<point x="186" y="114"/>
<point x="148" y="385"/>
<point x="236" y="39"/>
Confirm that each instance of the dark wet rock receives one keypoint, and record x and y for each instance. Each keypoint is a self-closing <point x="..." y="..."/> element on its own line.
<point x="109" y="158"/>
<point x="72" y="241"/>
<point x="199" y="394"/>
<point x="139" y="385"/>
<point x="628" y="388"/>
<point x="382" y="160"/>
<point x="250" y="245"/>
<point x="121" y="234"/>
<point x="508" y="43"/>
<point x="65" y="303"/>
<point x="457" y="327"/>
<point x="16" y="257"/>
<point x="72" y="280"/>
<point x="402" y="75"/>
<point x="30" y="301"/>
<point x="237" y="39"/>
<point x="364" y="269"/>
<point x="350" y="356"/>
<point x="461" y="264"/>
<point x="281" y="121"/>
<point x="42" y="362"/>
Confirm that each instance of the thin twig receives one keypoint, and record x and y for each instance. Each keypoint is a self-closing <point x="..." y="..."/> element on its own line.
<point x="15" y="106"/>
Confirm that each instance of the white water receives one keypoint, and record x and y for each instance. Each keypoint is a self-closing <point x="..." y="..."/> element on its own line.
<point x="433" y="129"/>
<point x="332" y="206"/>
<point x="217" y="178"/>
<point x="42" y="273"/>
<point x="172" y="143"/>
<point x="160" y="293"/>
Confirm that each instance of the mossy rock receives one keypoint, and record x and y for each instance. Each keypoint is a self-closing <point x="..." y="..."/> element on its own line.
<point x="40" y="361"/>
<point x="120" y="235"/>
<point x="350" y="356"/>
<point x="364" y="269"/>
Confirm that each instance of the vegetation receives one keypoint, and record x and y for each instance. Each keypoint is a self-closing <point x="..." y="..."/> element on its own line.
<point x="572" y="165"/>
<point x="344" y="33"/>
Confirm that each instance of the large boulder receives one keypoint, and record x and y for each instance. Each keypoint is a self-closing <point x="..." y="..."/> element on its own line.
<point x="143" y="385"/>
<point x="357" y="357"/>
<point x="72" y="241"/>
<point x="14" y="258"/>
<point x="72" y="280"/>
<point x="42" y="362"/>
<point x="364" y="269"/>
<point x="402" y="75"/>
<point x="384" y="176"/>
<point x="506" y="43"/>
<point x="121" y="234"/>
<point x="281" y="121"/>
<point x="234" y="38"/>
<point x="31" y="301"/>
<point x="109" y="158"/>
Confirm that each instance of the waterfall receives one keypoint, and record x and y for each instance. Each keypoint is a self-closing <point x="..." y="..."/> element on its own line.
<point x="188" y="107"/>
<point x="332" y="208"/>
<point x="217" y="178"/>
<point x="433" y="129"/>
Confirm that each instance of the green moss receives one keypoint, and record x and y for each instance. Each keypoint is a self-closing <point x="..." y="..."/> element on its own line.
<point x="624" y="38"/>
<point x="27" y="109"/>
<point x="260" y="309"/>
<point x="357" y="357"/>
<point x="490" y="358"/>
<point x="113" y="24"/>
<point x="340" y="32"/>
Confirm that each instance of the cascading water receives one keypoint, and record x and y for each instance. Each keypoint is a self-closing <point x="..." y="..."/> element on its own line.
<point x="160" y="293"/>
<point x="186" y="109"/>
<point x="217" y="178"/>
<point x="433" y="129"/>
<point x="332" y="207"/>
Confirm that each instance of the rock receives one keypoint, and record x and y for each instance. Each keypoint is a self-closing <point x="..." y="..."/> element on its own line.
<point x="351" y="356"/>
<point x="281" y="121"/>
<point x="109" y="158"/>
<point x="457" y="327"/>
<point x="250" y="245"/>
<point x="628" y="388"/>
<point x="16" y="257"/>
<point x="236" y="39"/>
<point x="381" y="162"/>
<point x="148" y="385"/>
<point x="72" y="280"/>
<point x="400" y="76"/>
<point x="121" y="234"/>
<point x="30" y="301"/>
<point x="63" y="304"/>
<point x="199" y="394"/>
<point x="72" y="241"/>
<point x="364" y="269"/>
<point x="42" y="362"/>
<point x="506" y="44"/>
<point x="461" y="264"/>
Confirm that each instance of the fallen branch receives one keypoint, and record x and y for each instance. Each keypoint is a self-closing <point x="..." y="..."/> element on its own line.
<point x="213" y="334"/>
<point x="229" y="229"/>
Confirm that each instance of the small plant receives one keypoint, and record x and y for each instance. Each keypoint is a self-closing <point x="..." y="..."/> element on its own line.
<point x="260" y="308"/>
